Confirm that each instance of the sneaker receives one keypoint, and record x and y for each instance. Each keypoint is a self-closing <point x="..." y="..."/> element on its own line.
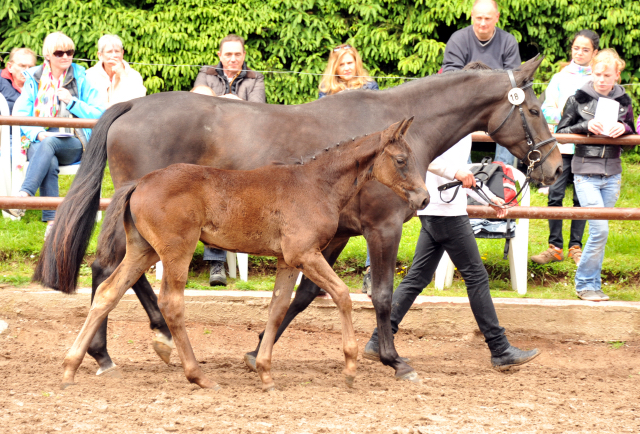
<point x="575" y="253"/>
<point x="552" y="254"/>
<point x="544" y="190"/>
<point x="366" y="282"/>
<point x="372" y="352"/>
<point x="17" y="213"/>
<point x="589" y="295"/>
<point x="217" y="275"/>
<point x="513" y="356"/>
<point x="602" y="295"/>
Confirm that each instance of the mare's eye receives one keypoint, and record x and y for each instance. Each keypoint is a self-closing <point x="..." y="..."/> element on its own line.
<point x="534" y="112"/>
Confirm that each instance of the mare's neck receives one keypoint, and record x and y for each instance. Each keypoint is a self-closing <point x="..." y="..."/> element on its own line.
<point x="459" y="103"/>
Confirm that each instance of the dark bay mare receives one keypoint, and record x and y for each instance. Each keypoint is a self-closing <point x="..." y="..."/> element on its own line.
<point x="150" y="133"/>
<point x="270" y="211"/>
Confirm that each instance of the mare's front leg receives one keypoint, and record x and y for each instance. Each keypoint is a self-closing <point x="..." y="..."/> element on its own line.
<point x="383" y="240"/>
<point x="318" y="270"/>
<point x="306" y="293"/>
<point x="135" y="263"/>
<point x="285" y="281"/>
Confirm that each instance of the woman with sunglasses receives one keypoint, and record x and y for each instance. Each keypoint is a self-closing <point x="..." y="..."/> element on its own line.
<point x="345" y="71"/>
<point x="57" y="88"/>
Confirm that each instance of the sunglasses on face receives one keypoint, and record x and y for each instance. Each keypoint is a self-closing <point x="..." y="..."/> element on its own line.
<point x="60" y="53"/>
<point x="342" y="47"/>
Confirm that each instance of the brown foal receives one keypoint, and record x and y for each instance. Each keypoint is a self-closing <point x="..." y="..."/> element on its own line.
<point x="287" y="211"/>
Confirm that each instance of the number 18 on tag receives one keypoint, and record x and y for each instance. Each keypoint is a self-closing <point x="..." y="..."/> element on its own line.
<point x="516" y="96"/>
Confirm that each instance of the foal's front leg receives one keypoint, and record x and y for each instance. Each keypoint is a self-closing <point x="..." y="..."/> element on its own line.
<point x="171" y="303"/>
<point x="320" y="272"/>
<point x="285" y="281"/>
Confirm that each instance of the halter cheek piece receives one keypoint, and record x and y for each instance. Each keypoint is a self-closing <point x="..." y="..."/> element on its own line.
<point x="516" y="98"/>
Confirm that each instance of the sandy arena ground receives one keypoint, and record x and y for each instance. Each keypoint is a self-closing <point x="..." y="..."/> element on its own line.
<point x="586" y="387"/>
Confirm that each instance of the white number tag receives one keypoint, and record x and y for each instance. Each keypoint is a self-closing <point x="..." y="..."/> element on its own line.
<point x="516" y="96"/>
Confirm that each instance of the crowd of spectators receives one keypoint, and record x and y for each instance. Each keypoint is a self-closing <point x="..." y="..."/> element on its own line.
<point x="60" y="88"/>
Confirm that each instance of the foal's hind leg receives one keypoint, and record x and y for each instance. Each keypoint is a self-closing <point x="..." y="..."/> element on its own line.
<point x="318" y="270"/>
<point x="138" y="259"/>
<point x="280" y="299"/>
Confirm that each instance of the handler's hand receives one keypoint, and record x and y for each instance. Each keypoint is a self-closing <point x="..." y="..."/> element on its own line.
<point x="467" y="178"/>
<point x="500" y="212"/>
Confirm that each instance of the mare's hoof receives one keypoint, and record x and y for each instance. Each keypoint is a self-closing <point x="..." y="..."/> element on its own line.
<point x="409" y="376"/>
<point x="111" y="372"/>
<point x="65" y="385"/>
<point x="250" y="361"/>
<point x="349" y="379"/>
<point x="163" y="347"/>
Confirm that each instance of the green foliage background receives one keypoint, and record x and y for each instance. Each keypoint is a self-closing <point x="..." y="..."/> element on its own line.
<point x="397" y="38"/>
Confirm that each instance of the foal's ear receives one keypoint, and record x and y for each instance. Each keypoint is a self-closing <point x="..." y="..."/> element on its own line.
<point x="528" y="69"/>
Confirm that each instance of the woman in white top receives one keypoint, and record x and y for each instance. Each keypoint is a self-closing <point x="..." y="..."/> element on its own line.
<point x="112" y="76"/>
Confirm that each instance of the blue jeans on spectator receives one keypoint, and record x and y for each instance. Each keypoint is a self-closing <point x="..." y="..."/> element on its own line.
<point x="503" y="154"/>
<point x="45" y="157"/>
<point x="595" y="191"/>
<point x="211" y="254"/>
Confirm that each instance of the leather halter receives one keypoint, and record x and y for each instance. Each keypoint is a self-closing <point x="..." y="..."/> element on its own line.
<point x="533" y="147"/>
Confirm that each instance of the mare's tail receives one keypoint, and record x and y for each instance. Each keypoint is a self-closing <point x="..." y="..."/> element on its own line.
<point x="64" y="249"/>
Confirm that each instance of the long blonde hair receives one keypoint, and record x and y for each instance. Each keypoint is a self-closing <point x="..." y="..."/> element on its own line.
<point x="331" y="83"/>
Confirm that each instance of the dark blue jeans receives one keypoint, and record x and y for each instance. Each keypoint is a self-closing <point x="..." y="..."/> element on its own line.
<point x="556" y="195"/>
<point x="455" y="236"/>
<point x="45" y="157"/>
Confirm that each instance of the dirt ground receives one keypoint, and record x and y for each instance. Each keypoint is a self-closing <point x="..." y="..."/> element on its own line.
<point x="572" y="387"/>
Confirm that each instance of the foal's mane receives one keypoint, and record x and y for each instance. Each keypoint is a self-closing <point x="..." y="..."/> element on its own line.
<point x="313" y="157"/>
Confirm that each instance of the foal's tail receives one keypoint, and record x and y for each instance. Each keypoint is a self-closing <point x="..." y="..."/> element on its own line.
<point x="107" y="238"/>
<point x="64" y="249"/>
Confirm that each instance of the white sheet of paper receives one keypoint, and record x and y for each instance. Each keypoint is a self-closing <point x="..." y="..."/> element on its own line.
<point x="607" y="113"/>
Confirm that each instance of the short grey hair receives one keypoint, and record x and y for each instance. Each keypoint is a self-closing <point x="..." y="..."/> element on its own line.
<point x="109" y="40"/>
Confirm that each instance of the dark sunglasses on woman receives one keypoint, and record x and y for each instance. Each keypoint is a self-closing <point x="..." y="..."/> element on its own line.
<point x="60" y="53"/>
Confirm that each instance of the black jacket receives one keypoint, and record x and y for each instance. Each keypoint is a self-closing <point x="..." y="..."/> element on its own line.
<point x="580" y="109"/>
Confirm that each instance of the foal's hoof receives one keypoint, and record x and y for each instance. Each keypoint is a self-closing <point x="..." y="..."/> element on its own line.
<point x="409" y="376"/>
<point x="65" y="385"/>
<point x="349" y="379"/>
<point x="250" y="361"/>
<point x="270" y="388"/>
<point x="163" y="347"/>
<point x="111" y="372"/>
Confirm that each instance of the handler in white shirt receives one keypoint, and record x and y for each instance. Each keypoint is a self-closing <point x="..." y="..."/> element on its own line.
<point x="446" y="227"/>
<point x="112" y="76"/>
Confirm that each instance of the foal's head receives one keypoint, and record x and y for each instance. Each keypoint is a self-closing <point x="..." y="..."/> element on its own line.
<point x="397" y="167"/>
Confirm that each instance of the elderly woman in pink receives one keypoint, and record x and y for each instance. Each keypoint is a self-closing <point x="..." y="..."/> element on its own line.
<point x="112" y="76"/>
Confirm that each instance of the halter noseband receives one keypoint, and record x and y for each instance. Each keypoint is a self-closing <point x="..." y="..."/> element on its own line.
<point x="533" y="147"/>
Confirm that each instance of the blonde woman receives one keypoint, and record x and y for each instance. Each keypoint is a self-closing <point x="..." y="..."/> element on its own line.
<point x="345" y="71"/>
<point x="57" y="88"/>
<point x="597" y="169"/>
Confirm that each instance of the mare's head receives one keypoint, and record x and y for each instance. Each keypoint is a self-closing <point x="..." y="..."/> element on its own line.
<point x="523" y="137"/>
<point x="397" y="167"/>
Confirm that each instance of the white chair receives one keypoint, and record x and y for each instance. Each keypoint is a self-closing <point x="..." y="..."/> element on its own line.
<point x="518" y="250"/>
<point x="242" y="264"/>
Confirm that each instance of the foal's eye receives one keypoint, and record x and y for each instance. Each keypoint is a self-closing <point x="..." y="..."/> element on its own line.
<point x="534" y="112"/>
<point x="400" y="161"/>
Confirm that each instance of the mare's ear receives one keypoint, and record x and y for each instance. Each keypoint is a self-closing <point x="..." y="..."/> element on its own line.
<point x="527" y="70"/>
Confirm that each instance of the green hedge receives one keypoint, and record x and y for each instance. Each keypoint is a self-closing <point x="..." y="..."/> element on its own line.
<point x="397" y="38"/>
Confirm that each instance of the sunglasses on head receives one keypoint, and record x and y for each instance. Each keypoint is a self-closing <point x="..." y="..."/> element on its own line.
<point x="60" y="53"/>
<point x="342" y="47"/>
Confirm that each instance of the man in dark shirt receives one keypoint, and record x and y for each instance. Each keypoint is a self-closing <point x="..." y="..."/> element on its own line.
<point x="483" y="41"/>
<point x="11" y="78"/>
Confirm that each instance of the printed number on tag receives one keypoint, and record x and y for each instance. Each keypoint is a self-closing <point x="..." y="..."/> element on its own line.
<point x="516" y="96"/>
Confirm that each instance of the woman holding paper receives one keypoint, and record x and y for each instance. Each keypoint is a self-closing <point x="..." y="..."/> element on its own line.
<point x="57" y="88"/>
<point x="599" y="107"/>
